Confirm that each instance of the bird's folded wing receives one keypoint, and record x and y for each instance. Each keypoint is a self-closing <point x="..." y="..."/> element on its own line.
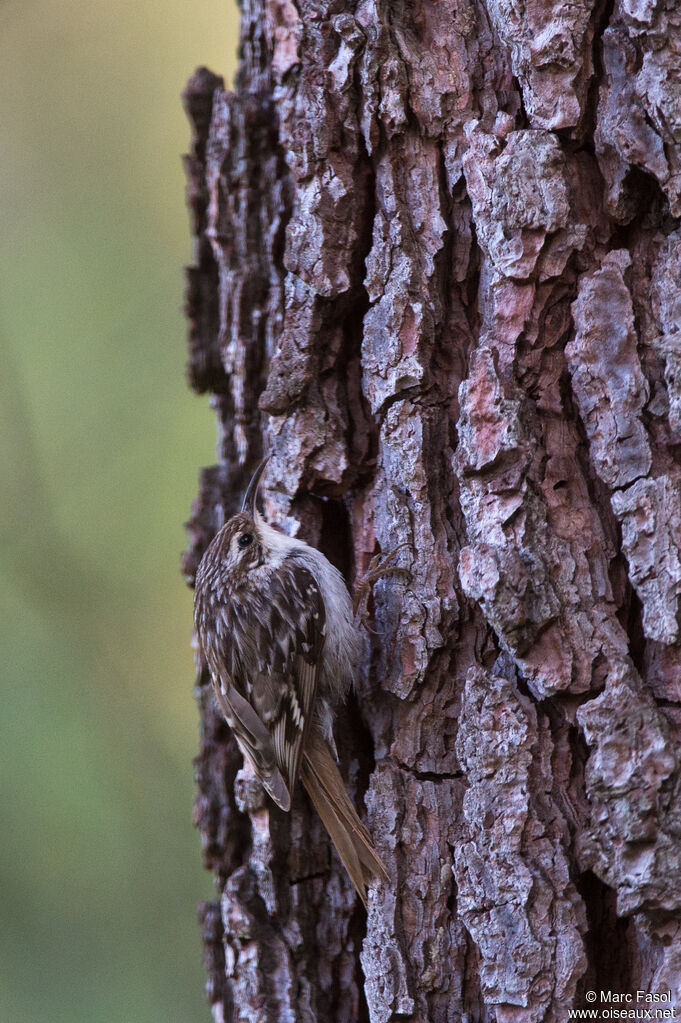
<point x="266" y="674"/>
<point x="291" y="635"/>
<point x="254" y="741"/>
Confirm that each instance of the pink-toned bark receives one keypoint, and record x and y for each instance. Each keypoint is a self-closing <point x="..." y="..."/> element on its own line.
<point x="438" y="275"/>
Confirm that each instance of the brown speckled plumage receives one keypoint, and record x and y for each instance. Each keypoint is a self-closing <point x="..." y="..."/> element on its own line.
<point x="275" y="624"/>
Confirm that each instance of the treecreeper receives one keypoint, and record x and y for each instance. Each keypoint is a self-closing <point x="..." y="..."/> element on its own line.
<point x="277" y="627"/>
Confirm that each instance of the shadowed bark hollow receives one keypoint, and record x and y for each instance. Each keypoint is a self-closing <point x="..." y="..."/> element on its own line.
<point x="438" y="275"/>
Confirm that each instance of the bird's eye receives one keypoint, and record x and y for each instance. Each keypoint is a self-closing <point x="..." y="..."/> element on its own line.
<point x="245" y="540"/>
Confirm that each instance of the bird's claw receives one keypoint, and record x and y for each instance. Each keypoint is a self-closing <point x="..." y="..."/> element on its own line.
<point x="379" y="566"/>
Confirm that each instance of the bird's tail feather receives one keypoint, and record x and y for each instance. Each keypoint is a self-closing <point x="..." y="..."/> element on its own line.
<point x="322" y="779"/>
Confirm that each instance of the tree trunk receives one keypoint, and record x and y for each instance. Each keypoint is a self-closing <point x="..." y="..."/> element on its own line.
<point x="438" y="274"/>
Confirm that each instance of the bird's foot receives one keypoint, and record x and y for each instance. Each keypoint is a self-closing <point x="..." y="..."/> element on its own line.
<point x="379" y="566"/>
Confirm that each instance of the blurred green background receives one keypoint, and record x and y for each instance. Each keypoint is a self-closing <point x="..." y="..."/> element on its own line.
<point x="100" y="445"/>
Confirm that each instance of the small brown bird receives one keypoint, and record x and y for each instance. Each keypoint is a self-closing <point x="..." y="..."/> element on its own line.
<point x="276" y="626"/>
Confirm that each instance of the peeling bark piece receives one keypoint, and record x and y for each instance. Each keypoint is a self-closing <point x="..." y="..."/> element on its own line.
<point x="444" y="47"/>
<point x="312" y="406"/>
<point x="217" y="987"/>
<point x="320" y="136"/>
<point x="274" y="930"/>
<point x="241" y="164"/>
<point x="611" y="392"/>
<point x="512" y="592"/>
<point x="512" y="872"/>
<point x="521" y="205"/>
<point x="661" y="671"/>
<point x="383" y="76"/>
<point x="623" y="136"/>
<point x="632" y="782"/>
<point x="312" y="394"/>
<point x="539" y="593"/>
<point x="639" y="115"/>
<point x="661" y="956"/>
<point x="551" y="55"/>
<point x="666" y="281"/>
<point x="263" y="985"/>
<point x="607" y="379"/>
<point x="407" y="505"/>
<point x="413" y="953"/>
<point x="294" y="360"/>
<point x="324" y="229"/>
<point x="650" y="513"/>
<point x="284" y="31"/>
<point x="402" y="279"/>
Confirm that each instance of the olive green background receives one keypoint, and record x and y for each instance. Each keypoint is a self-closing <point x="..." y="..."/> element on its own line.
<point x="100" y="445"/>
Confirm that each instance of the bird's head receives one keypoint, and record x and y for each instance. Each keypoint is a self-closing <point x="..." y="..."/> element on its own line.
<point x="239" y="545"/>
<point x="240" y="541"/>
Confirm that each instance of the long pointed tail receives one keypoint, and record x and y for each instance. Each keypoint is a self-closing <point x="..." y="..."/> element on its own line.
<point x="324" y="784"/>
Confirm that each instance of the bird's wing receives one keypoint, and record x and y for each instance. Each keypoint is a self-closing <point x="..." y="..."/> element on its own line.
<point x="265" y="657"/>
<point x="255" y="742"/>
<point x="284" y="687"/>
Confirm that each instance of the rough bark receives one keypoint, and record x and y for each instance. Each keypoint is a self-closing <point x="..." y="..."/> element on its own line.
<point x="438" y="274"/>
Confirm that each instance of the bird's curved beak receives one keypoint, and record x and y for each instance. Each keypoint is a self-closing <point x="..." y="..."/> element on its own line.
<point x="251" y="495"/>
